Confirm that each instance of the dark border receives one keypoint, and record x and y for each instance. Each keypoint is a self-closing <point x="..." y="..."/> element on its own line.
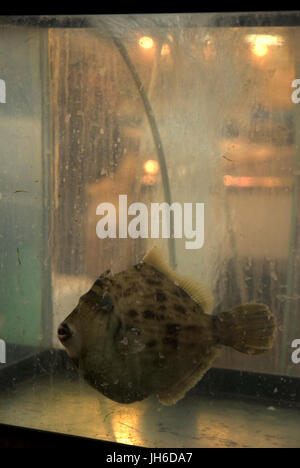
<point x="20" y="437"/>
<point x="228" y="18"/>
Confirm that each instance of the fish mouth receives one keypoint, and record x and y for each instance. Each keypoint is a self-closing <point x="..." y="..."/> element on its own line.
<point x="64" y="333"/>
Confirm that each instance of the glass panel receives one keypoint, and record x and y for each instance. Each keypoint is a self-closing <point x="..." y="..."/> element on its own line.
<point x="23" y="229"/>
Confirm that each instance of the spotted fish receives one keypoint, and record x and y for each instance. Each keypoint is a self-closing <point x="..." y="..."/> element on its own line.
<point x="146" y="331"/>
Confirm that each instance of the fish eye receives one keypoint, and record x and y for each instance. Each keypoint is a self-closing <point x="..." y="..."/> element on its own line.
<point x="64" y="332"/>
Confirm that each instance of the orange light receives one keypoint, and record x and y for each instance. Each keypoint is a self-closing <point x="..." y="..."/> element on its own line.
<point x="270" y="182"/>
<point x="151" y="166"/>
<point x="260" y="42"/>
<point x="146" y="42"/>
<point x="260" y="49"/>
<point x="165" y="50"/>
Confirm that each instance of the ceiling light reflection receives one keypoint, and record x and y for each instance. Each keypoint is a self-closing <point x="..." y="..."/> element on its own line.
<point x="146" y="42"/>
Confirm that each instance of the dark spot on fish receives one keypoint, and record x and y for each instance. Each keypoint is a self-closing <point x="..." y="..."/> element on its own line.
<point x="107" y="303"/>
<point x="155" y="273"/>
<point x="138" y="266"/>
<point x="153" y="282"/>
<point x="99" y="283"/>
<point x="162" y="307"/>
<point x="160" y="296"/>
<point x="172" y="328"/>
<point x="179" y="308"/>
<point x="132" y="313"/>
<point x="117" y="330"/>
<point x="191" y="328"/>
<point x="148" y="314"/>
<point x="171" y="342"/>
<point x="183" y="293"/>
<point x="197" y="308"/>
<point x="176" y="292"/>
<point x="160" y="317"/>
<point x="131" y="290"/>
<point x="151" y="343"/>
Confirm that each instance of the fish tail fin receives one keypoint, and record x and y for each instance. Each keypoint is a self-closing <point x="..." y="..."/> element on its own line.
<point x="249" y="328"/>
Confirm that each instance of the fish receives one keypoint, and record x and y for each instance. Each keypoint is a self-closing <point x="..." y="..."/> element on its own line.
<point x="149" y="330"/>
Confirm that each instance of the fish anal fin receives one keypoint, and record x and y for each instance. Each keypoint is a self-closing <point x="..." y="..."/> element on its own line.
<point x="177" y="391"/>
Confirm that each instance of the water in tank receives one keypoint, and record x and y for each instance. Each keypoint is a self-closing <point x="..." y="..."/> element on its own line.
<point x="150" y="216"/>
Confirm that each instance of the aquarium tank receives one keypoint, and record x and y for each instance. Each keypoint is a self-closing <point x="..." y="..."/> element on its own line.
<point x="175" y="136"/>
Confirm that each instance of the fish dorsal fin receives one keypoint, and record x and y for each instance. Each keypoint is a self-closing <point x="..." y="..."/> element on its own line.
<point x="154" y="258"/>
<point x="199" y="292"/>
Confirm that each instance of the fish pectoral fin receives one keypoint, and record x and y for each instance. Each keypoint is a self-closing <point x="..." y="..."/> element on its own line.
<point x="198" y="291"/>
<point x="176" y="392"/>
